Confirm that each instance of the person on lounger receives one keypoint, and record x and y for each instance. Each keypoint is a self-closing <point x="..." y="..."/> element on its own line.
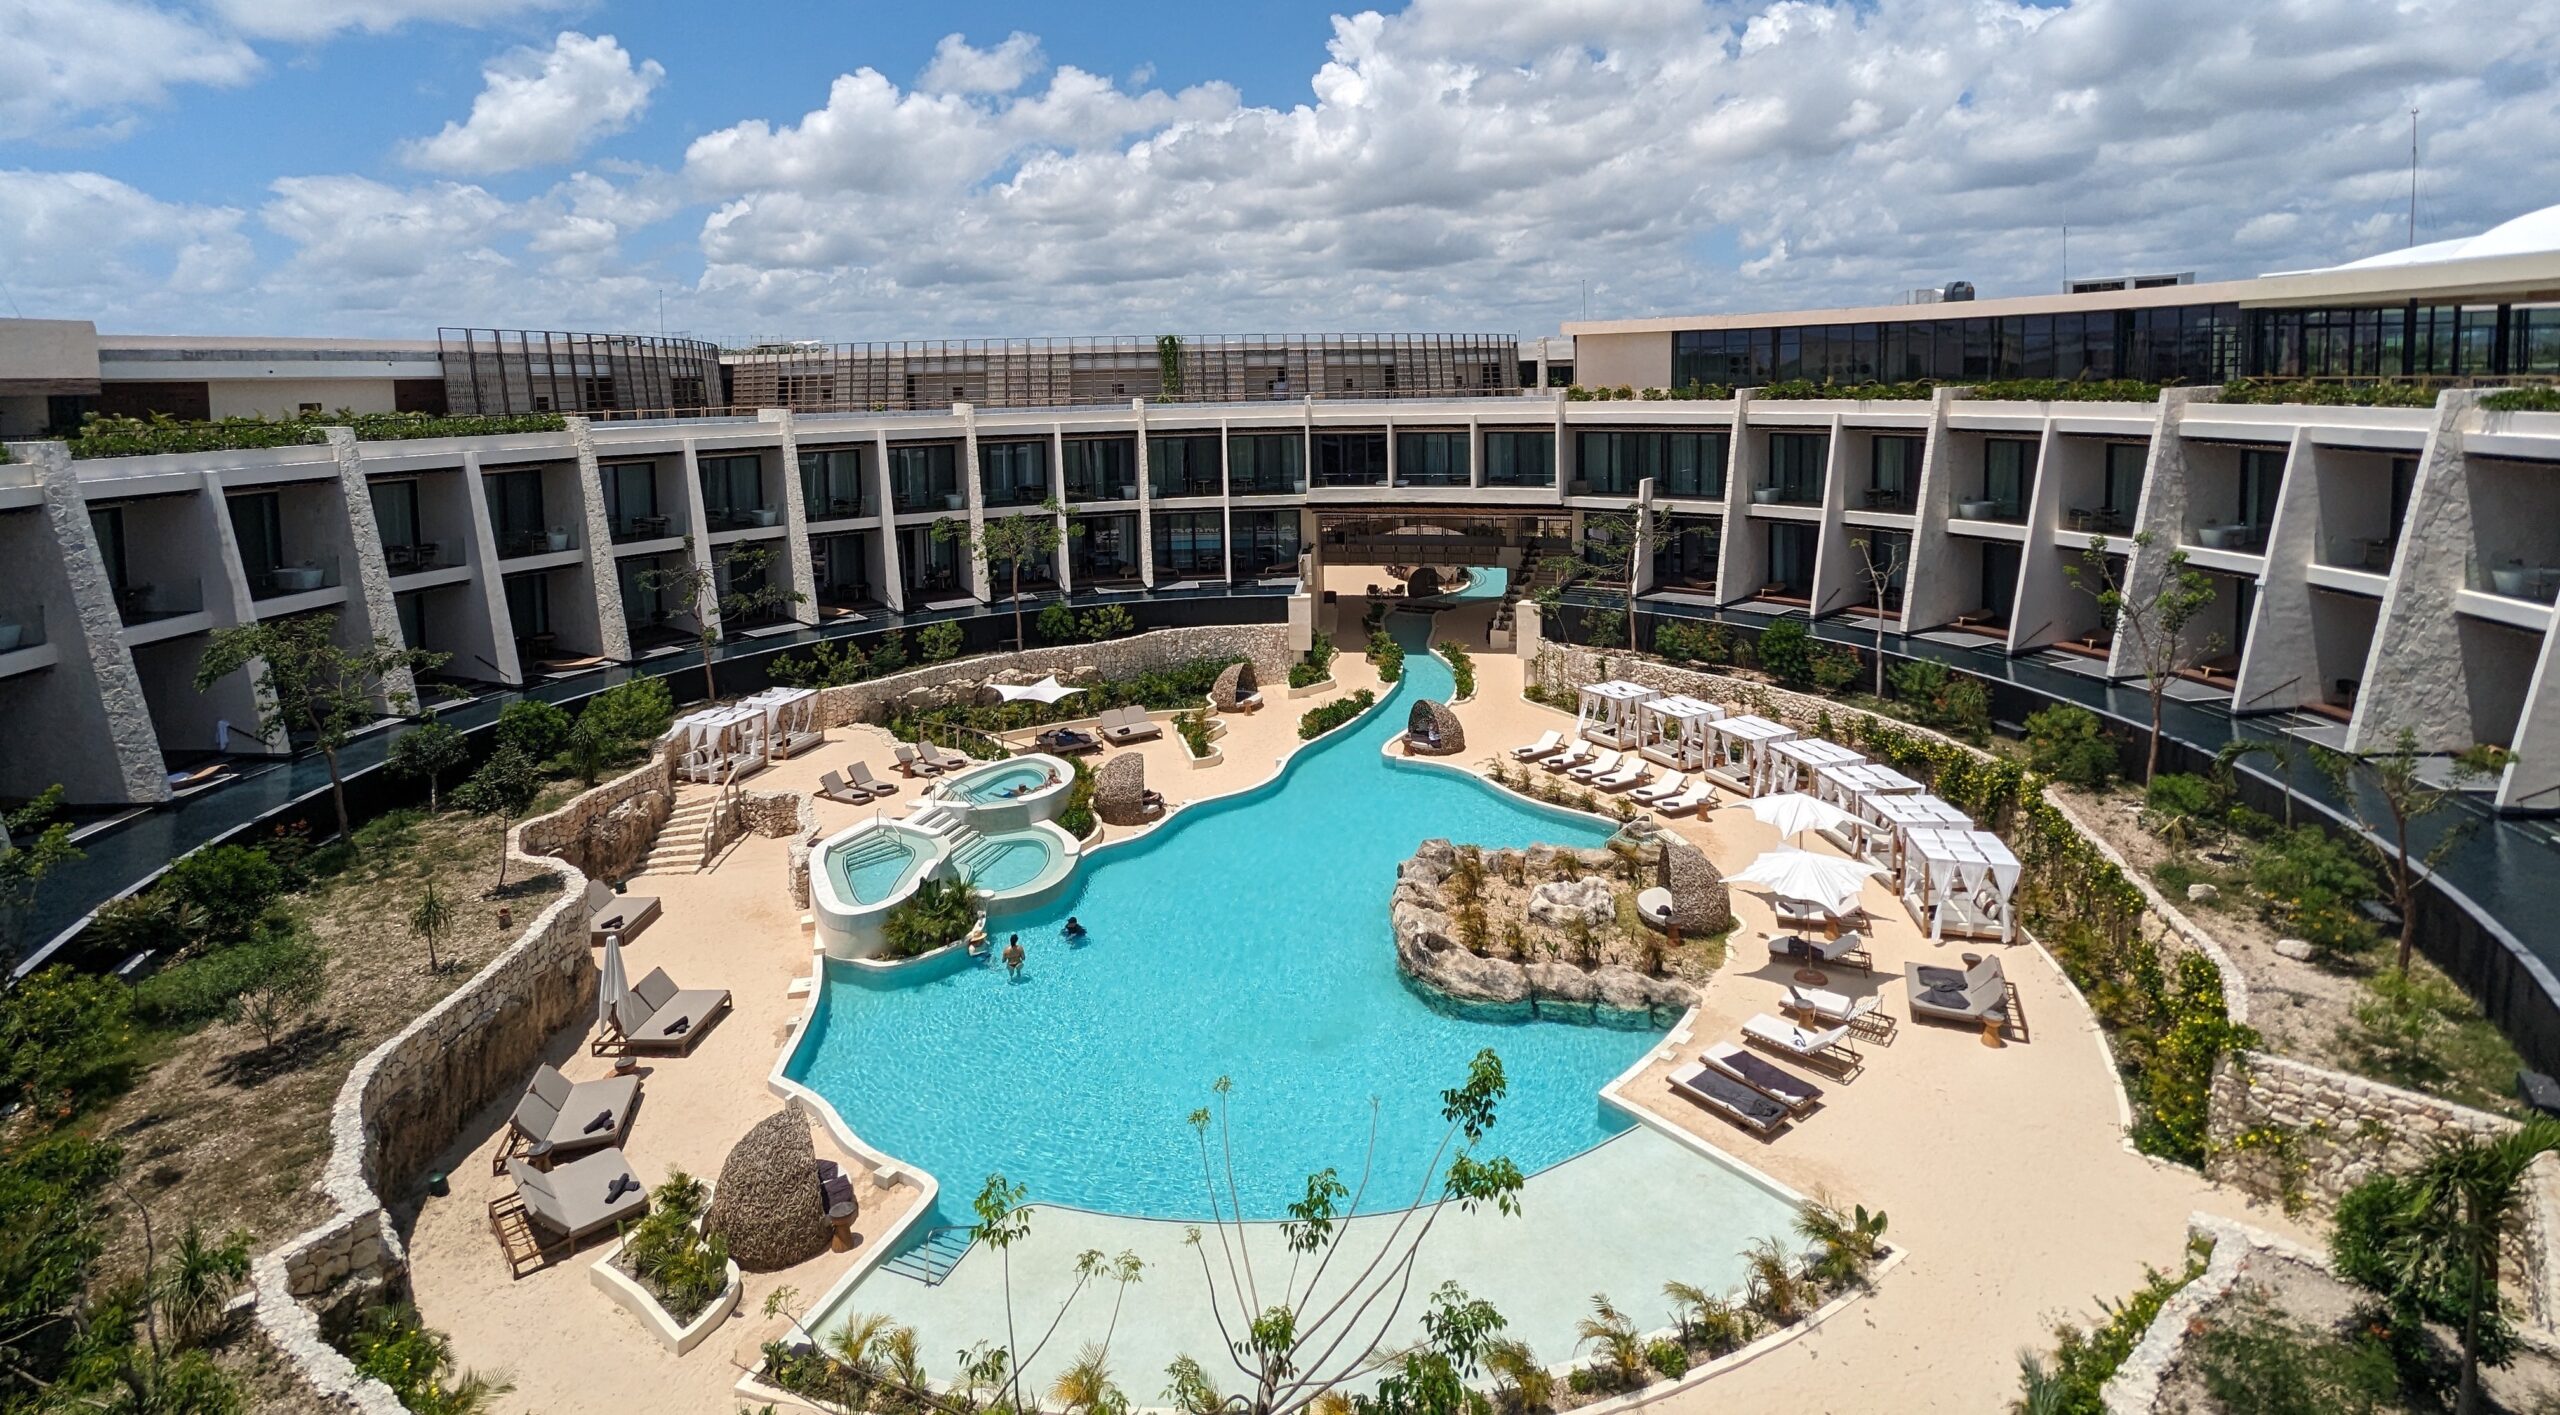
<point x="1013" y="955"/>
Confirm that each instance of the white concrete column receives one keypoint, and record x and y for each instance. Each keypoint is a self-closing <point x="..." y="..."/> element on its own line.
<point x="1146" y="500"/>
<point x="1742" y="551"/>
<point x="893" y="579"/>
<point x="1929" y="592"/>
<point x="2039" y="614"/>
<point x="613" y="631"/>
<point x="2414" y="676"/>
<point x="104" y="747"/>
<point x="1837" y="570"/>
<point x="1640" y="556"/>
<point x="488" y="584"/>
<point x="369" y="616"/>
<point x="796" y="559"/>
<point x="706" y="607"/>
<point x="974" y="496"/>
<point x="2280" y="664"/>
<point x="2162" y="514"/>
<point x="1475" y="451"/>
<point x="1058" y="490"/>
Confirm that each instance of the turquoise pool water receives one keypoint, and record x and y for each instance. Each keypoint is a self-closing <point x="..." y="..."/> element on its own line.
<point x="996" y="782"/>
<point x="1006" y="861"/>
<point x="1484" y="582"/>
<point x="870" y="867"/>
<point x="1248" y="938"/>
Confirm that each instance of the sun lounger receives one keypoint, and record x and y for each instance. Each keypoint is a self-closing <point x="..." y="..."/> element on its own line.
<point x="546" y="1214"/>
<point x="795" y="744"/>
<point x="1603" y="761"/>
<point x="1067" y="741"/>
<point x="1630" y="771"/>
<point x="1699" y="797"/>
<point x="560" y="1117"/>
<point x="662" y="1015"/>
<point x="1778" y="1084"/>
<point x="1542" y="747"/>
<point x="1661" y="788"/>
<point x="1729" y="1098"/>
<point x="1829" y="1048"/>
<point x="1849" y="948"/>
<point x="1972" y="996"/>
<point x="1862" y="1015"/>
<point x="1129" y="724"/>
<point x="832" y="787"/>
<point x="859" y="777"/>
<point x="949" y="761"/>
<point x="1575" y="753"/>
<point x="611" y="913"/>
<point x="909" y="764"/>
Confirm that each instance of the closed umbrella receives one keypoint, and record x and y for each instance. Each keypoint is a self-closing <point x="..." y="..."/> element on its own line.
<point x="614" y="988"/>
<point x="1794" y="813"/>
<point x="1825" y="880"/>
<point x="1047" y="690"/>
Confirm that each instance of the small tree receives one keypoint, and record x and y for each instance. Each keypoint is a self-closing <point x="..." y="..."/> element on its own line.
<point x="2156" y="622"/>
<point x="293" y="974"/>
<point x="314" y="685"/>
<point x="33" y="845"/>
<point x="2405" y="800"/>
<point x="695" y="584"/>
<point x="428" y="751"/>
<point x="1008" y="543"/>
<point x="502" y="789"/>
<point x="1610" y="541"/>
<point x="432" y="920"/>
<point x="1295" y="1342"/>
<point x="1004" y="1220"/>
<point x="1880" y="577"/>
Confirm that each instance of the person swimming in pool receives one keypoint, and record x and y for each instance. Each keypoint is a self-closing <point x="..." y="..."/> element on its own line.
<point x="1013" y="955"/>
<point x="1073" y="929"/>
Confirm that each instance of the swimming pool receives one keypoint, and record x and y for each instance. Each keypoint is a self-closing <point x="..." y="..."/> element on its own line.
<point x="999" y="782"/>
<point x="1003" y="863"/>
<point x="876" y="864"/>
<point x="1247" y="938"/>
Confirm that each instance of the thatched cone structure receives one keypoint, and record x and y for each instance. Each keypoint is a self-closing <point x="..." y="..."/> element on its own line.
<point x="1235" y="688"/>
<point x="767" y="1203"/>
<point x="1423" y="583"/>
<point x="1432" y="730"/>
<point x="1701" y="902"/>
<point x="1120" y="790"/>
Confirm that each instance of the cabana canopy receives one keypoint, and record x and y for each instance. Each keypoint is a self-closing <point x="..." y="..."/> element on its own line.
<point x="1884" y="822"/>
<point x="1791" y="765"/>
<point x="1849" y="784"/>
<point x="718" y="744"/>
<point x="1047" y="690"/>
<point x="1737" y="745"/>
<point x="1962" y="880"/>
<point x="1673" y="730"/>
<point x="790" y="718"/>
<point x="1607" y="713"/>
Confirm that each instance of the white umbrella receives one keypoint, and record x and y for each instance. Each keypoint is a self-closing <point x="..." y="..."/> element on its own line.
<point x="1826" y="880"/>
<point x="1047" y="690"/>
<point x="614" y="988"/>
<point x="1794" y="813"/>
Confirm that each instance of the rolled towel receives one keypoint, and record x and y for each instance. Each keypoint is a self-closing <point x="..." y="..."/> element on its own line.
<point x="603" y="1121"/>
<point x="677" y="1027"/>
<point x="622" y="1184"/>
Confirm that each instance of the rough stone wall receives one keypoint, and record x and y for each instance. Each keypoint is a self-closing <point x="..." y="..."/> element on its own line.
<point x="606" y="832"/>
<point x="407" y="1099"/>
<point x="934" y="685"/>
<point x="2343" y="1129"/>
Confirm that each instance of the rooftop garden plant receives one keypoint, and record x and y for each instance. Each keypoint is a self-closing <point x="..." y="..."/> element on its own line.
<point x="2322" y="392"/>
<point x="1317" y="666"/>
<point x="2067" y="390"/>
<point x="2506" y="400"/>
<point x="1385" y="652"/>
<point x="104" y="436"/>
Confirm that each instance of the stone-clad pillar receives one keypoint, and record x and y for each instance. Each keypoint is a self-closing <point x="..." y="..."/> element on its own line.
<point x="613" y="631"/>
<point x="371" y="592"/>
<point x="100" y="675"/>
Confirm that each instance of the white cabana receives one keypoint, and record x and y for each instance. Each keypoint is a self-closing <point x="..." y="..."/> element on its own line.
<point x="718" y="745"/>
<point x="1607" y="714"/>
<point x="1849" y="784"/>
<point x="1826" y="882"/>
<point x="1673" y="730"/>
<point x="1960" y="881"/>
<point x="1047" y="690"/>
<point x="790" y="724"/>
<point x="1886" y="822"/>
<point x="1737" y="745"/>
<point x="1794" y="765"/>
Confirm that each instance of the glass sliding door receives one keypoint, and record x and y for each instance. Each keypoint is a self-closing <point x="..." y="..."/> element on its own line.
<point x="733" y="493"/>
<point x="1519" y="458"/>
<point x="1183" y="464"/>
<point x="1266" y="463"/>
<point x="2125" y="461"/>
<point x="1893" y="473"/>
<point x="2008" y="477"/>
<point x="1190" y="545"/>
<point x="631" y="502"/>
<point x="1013" y="473"/>
<point x="1431" y="459"/>
<point x="1791" y="545"/>
<point x="1796" y="466"/>
<point x="831" y="484"/>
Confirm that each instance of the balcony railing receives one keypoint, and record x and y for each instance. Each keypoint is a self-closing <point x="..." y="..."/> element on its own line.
<point x="2371" y="554"/>
<point x="1989" y="508"/>
<point x="828" y="502"/>
<point x="1268" y="484"/>
<point x="2230" y="536"/>
<point x="741" y="518"/>
<point x="419" y="557"/>
<point x="514" y="541"/>
<point x="2516" y="579"/>
<point x="21" y="627"/>
<point x="1787" y="494"/>
<point x="1897" y="499"/>
<point x="2098" y="520"/>
<point x="166" y="598"/>
<point x="630" y="528"/>
<point x="317" y="573"/>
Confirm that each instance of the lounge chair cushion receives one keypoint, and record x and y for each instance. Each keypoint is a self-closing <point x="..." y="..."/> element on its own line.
<point x="671" y="1015"/>
<point x="1718" y="1091"/>
<point x="1791" y="1090"/>
<point x="558" y="1115"/>
<point x="580" y="1198"/>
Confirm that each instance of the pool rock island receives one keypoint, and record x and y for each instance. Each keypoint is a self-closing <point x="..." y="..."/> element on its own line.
<point x="1546" y="924"/>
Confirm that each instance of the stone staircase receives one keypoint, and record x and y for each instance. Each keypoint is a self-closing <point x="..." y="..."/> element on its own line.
<point x="678" y="847"/>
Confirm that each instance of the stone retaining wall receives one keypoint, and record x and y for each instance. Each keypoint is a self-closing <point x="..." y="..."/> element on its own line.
<point x="2321" y="1132"/>
<point x="404" y="1103"/>
<point x="940" y="684"/>
<point x="607" y="831"/>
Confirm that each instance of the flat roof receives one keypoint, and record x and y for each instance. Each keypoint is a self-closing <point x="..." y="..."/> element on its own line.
<point x="2496" y="279"/>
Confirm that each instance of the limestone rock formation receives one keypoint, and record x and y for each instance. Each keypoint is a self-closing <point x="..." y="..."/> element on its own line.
<point x="1423" y="917"/>
<point x="1233" y="687"/>
<point x="1120" y="790"/>
<point x="767" y="1203"/>
<point x="1557" y="903"/>
<point x="1433" y="731"/>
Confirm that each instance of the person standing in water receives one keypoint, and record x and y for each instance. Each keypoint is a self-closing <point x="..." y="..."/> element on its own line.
<point x="1013" y="954"/>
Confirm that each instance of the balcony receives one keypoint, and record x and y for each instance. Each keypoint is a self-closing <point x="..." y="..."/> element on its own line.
<point x="172" y="597"/>
<point x="21" y="627"/>
<point x="317" y="573"/>
<point x="1987" y="507"/>
<point x="419" y="557"/>
<point x="2369" y="554"/>
<point x="2518" y="580"/>
<point x="1787" y="494"/>
<point x="2248" y="539"/>
<point x="630" y="528"/>
<point x="741" y="518"/>
<point x="515" y="541"/>
<point x="1896" y="500"/>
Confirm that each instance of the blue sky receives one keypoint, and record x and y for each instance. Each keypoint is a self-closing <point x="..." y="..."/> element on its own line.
<point x="854" y="170"/>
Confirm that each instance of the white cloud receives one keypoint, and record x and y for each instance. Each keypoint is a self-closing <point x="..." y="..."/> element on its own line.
<point x="539" y="107"/>
<point x="959" y="67"/>
<point x="66" y="63"/>
<point x="78" y="242"/>
<point x="319" y="19"/>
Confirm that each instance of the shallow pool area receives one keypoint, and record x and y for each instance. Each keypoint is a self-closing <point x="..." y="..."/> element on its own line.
<point x="1246" y="938"/>
<point x="1002" y="863"/>
<point x="1003" y="781"/>
<point x="877" y="864"/>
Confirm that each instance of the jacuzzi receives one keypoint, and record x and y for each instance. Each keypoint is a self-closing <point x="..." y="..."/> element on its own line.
<point x="987" y="791"/>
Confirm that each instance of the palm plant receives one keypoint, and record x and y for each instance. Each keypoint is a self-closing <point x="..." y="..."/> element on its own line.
<point x="1084" y="1387"/>
<point x="1612" y="1336"/>
<point x="197" y="1284"/>
<point x="1520" y="1383"/>
<point x="1846" y="1244"/>
<point x="432" y="920"/>
<point x="1778" y="1288"/>
<point x="856" y="1344"/>
<point x="2459" y="1205"/>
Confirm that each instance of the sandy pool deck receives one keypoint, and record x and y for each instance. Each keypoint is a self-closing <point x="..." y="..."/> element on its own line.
<point x="2004" y="1170"/>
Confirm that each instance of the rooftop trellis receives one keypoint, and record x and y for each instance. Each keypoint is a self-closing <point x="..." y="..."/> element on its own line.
<point x="505" y="371"/>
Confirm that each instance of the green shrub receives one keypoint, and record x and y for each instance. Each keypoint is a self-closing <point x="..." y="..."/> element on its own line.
<point x="103" y="436"/>
<point x="2381" y="393"/>
<point x="1109" y="621"/>
<point x="1385" y="652"/>
<point x="1321" y="720"/>
<point x="2070" y="745"/>
<point x="829" y="665"/>
<point x="2251" y="1357"/>
<point x="890" y="654"/>
<point x="2523" y="400"/>
<point x="2067" y="390"/>
<point x="628" y="717"/>
<point x="2311" y="883"/>
<point x="1184" y="685"/>
<point x="1935" y="697"/>
<point x="1786" y="651"/>
<point x="1056" y="623"/>
<point x="938" y="642"/>
<point x="2083" y="1362"/>
<point x="66" y="1041"/>
<point x="391" y="1345"/>
<point x="941" y="911"/>
<point x="191" y="993"/>
<point x="1194" y="729"/>
<point x="1075" y="817"/>
<point x="1834" y="670"/>
<point x="534" y="727"/>
<point x="1693" y="643"/>
<point x="2177" y="806"/>
<point x="1668" y="1358"/>
<point x="1462" y="670"/>
<point x="226" y="890"/>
